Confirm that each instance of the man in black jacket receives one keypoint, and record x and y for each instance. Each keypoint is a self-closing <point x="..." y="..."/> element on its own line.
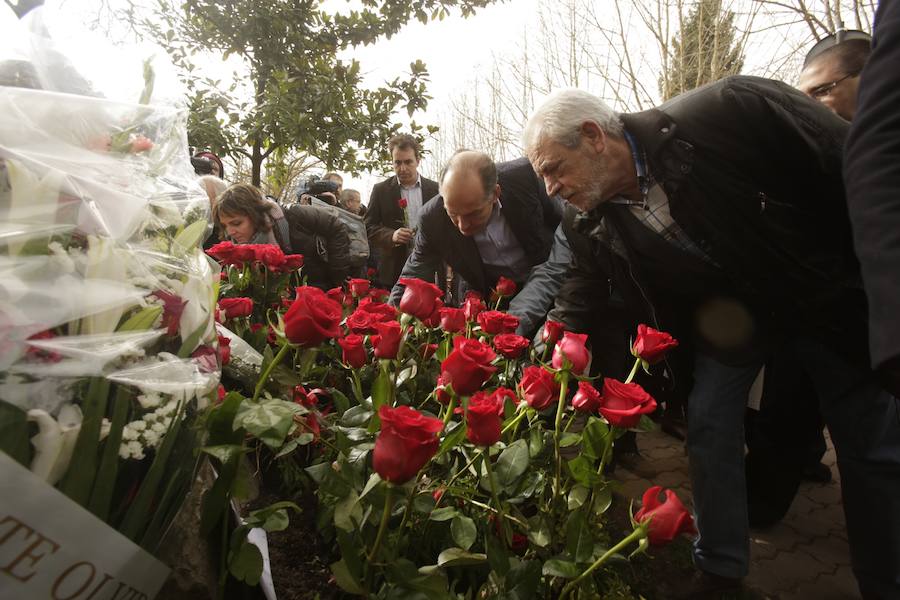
<point x="322" y="240"/>
<point x="720" y="216"/>
<point x="394" y="209"/>
<point x="489" y="221"/>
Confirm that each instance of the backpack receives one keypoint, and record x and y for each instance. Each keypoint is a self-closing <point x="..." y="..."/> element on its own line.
<point x="356" y="231"/>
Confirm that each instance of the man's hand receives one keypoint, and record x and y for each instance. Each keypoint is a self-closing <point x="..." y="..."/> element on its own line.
<point x="401" y="236"/>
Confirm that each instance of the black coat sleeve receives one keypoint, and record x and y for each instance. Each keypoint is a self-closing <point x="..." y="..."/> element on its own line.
<point x="872" y="175"/>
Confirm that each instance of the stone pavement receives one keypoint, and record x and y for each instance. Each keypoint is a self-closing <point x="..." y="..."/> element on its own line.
<point x="806" y="556"/>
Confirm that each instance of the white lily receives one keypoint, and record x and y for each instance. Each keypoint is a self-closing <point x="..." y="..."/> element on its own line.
<point x="105" y="262"/>
<point x="200" y="294"/>
<point x="33" y="203"/>
<point x="54" y="441"/>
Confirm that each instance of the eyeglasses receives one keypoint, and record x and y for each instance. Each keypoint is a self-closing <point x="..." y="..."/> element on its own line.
<point x="826" y="88"/>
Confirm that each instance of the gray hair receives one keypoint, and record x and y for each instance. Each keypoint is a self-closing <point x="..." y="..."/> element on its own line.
<point x="560" y="118"/>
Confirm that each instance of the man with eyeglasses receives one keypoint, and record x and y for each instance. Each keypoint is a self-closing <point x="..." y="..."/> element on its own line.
<point x="831" y="70"/>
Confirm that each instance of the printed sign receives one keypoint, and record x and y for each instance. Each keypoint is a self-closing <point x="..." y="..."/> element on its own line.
<point x="51" y="548"/>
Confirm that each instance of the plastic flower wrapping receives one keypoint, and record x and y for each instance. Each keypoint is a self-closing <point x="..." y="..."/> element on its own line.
<point x="107" y="339"/>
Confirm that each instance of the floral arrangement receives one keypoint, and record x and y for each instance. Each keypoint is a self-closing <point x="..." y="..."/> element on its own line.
<point x="449" y="454"/>
<point x="109" y="350"/>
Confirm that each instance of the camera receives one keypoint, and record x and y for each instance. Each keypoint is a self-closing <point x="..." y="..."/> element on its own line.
<point x="318" y="188"/>
<point x="202" y="165"/>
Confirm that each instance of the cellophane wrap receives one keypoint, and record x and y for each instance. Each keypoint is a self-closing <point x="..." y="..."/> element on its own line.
<point x="108" y="349"/>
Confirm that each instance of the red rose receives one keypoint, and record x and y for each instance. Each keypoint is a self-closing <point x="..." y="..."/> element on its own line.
<point x="453" y="320"/>
<point x="510" y="345"/>
<point x="270" y="255"/>
<point x="418" y="297"/>
<point x="236" y="307"/>
<point x="244" y="253"/>
<point x="387" y="342"/>
<point x="354" y="351"/>
<point x="312" y="318"/>
<point x="426" y="351"/>
<point x="506" y="287"/>
<point x="224" y="350"/>
<point x="402" y="203"/>
<point x="359" y="287"/>
<point x="551" y="333"/>
<point x="440" y="390"/>
<point x="572" y="348"/>
<point x="652" y="345"/>
<point x="408" y="440"/>
<point x="340" y="296"/>
<point x="496" y="321"/>
<point x="468" y="366"/>
<point x="173" y="307"/>
<point x="292" y="262"/>
<point x="221" y="393"/>
<point x="434" y="319"/>
<point x="501" y="394"/>
<point x="206" y="358"/>
<point x="379" y="295"/>
<point x="587" y="398"/>
<point x="304" y="398"/>
<point x="667" y="519"/>
<point x="472" y="306"/>
<point x="370" y="272"/>
<point x="224" y="253"/>
<point x="362" y="321"/>
<point x="382" y="311"/>
<point x="483" y="419"/>
<point x="622" y="404"/>
<point x="438" y="493"/>
<point x="538" y="387"/>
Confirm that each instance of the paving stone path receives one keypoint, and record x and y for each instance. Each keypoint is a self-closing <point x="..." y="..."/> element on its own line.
<point x="806" y="556"/>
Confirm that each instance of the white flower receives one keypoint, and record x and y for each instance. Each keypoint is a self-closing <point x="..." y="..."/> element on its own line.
<point x="151" y="438"/>
<point x="54" y="441"/>
<point x="149" y="400"/>
<point x="159" y="428"/>
<point x="139" y="425"/>
<point x="129" y="433"/>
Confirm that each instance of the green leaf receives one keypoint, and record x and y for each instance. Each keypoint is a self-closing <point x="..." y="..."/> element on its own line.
<point x="79" y="478"/>
<point x="268" y="420"/>
<point x="190" y="237"/>
<point x="463" y="531"/>
<point x="512" y="462"/>
<point x="224" y="453"/>
<point x="535" y="440"/>
<point x="348" y="513"/>
<point x="454" y="557"/>
<point x="579" y="541"/>
<point x="374" y="480"/>
<point x="345" y="580"/>
<point x="594" y="438"/>
<point x="577" y="497"/>
<point x="443" y="514"/>
<point x="583" y="471"/>
<point x="220" y="423"/>
<point x="192" y="341"/>
<point x="340" y="400"/>
<point x="141" y="320"/>
<point x="523" y="581"/>
<point x="273" y="517"/>
<point x="381" y="389"/>
<point x="569" y="439"/>
<point x="645" y="425"/>
<point x="356" y="416"/>
<point x="498" y="555"/>
<point x="602" y="498"/>
<point x="101" y="495"/>
<point x="245" y="562"/>
<point x="561" y="568"/>
<point x="453" y="438"/>
<point x="539" y="531"/>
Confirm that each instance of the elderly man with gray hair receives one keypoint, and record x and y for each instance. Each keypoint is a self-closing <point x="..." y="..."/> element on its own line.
<point x="720" y="217"/>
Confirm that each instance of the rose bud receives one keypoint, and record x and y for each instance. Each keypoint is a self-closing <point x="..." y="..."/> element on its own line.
<point x="571" y="348"/>
<point x="312" y="318"/>
<point x="506" y="287"/>
<point x="587" y="398"/>
<point x="354" y="351"/>
<point x="510" y="345"/>
<point x="387" y="342"/>
<point x="483" y="420"/>
<point x="236" y="307"/>
<point x="538" y="387"/>
<point x="360" y="287"/>
<point x="472" y="306"/>
<point x="419" y="297"/>
<point x="453" y="320"/>
<point x="667" y="519"/>
<point x="440" y="391"/>
<point x="622" y="404"/>
<point x="551" y="333"/>
<point x="408" y="440"/>
<point x="495" y="321"/>
<point x="468" y="366"/>
<point x="651" y="345"/>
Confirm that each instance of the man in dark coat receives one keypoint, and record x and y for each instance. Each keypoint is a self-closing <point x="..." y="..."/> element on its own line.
<point x="872" y="172"/>
<point x="322" y="240"/>
<point x="395" y="206"/>
<point x="489" y="221"/>
<point x="720" y="216"/>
